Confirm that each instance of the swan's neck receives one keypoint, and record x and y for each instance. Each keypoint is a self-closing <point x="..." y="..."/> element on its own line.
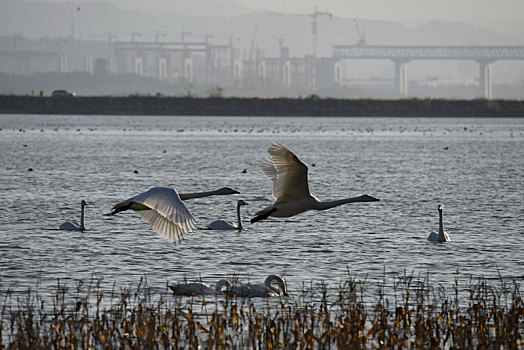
<point x="440" y="223"/>
<point x="321" y="205"/>
<point x="240" y="227"/>
<point x="280" y="282"/>
<point x="184" y="196"/>
<point x="82" y="218"/>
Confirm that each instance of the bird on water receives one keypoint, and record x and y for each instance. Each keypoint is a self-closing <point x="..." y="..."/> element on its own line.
<point x="228" y="225"/>
<point x="441" y="235"/>
<point x="73" y="225"/>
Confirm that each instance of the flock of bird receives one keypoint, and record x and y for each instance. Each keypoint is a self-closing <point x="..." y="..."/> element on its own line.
<point x="165" y="210"/>
<point x="223" y="286"/>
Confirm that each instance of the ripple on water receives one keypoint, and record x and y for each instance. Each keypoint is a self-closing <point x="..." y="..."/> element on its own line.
<point x="400" y="161"/>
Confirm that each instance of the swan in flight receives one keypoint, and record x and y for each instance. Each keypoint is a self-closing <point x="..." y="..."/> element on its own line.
<point x="199" y="288"/>
<point x="290" y="186"/>
<point x="228" y="225"/>
<point x="441" y="236"/>
<point x="265" y="289"/>
<point x="73" y="225"/>
<point x="163" y="208"/>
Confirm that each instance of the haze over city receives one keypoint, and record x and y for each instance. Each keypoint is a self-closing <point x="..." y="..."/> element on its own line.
<point x="258" y="32"/>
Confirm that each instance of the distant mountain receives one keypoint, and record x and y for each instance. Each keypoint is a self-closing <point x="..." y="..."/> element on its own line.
<point x="225" y="21"/>
<point x="187" y="7"/>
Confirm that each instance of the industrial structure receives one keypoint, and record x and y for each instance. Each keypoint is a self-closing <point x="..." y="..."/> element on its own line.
<point x="207" y="63"/>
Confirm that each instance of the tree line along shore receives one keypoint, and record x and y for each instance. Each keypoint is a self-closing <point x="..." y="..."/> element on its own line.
<point x="249" y="106"/>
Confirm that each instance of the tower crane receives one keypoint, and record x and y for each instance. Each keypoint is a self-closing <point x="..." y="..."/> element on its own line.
<point x="361" y="34"/>
<point x="280" y="40"/>
<point x="314" y="26"/>
<point x="133" y="35"/>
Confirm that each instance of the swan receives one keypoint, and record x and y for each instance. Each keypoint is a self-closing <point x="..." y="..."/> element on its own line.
<point x="163" y="208"/>
<point x="290" y="186"/>
<point x="441" y="236"/>
<point x="228" y="225"/>
<point x="199" y="288"/>
<point x="260" y="289"/>
<point x="73" y="225"/>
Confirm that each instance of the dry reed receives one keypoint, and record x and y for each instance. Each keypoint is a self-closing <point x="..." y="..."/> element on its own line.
<point x="405" y="313"/>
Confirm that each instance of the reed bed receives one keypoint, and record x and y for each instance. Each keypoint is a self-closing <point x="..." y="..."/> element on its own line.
<point x="402" y="313"/>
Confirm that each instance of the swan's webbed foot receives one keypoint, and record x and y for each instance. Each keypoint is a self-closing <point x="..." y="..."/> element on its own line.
<point x="263" y="216"/>
<point x="119" y="207"/>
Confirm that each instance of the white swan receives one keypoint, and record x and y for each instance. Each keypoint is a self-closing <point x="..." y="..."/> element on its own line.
<point x="73" y="225"/>
<point x="199" y="288"/>
<point x="260" y="289"/>
<point x="441" y="236"/>
<point x="163" y="208"/>
<point x="228" y="225"/>
<point x="290" y="186"/>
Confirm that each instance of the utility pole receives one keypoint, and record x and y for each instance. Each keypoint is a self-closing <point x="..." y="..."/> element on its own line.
<point x="72" y="11"/>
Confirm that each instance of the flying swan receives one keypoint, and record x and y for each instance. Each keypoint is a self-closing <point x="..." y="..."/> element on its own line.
<point x="265" y="289"/>
<point x="199" y="288"/>
<point x="163" y="208"/>
<point x="73" y="225"/>
<point x="228" y="225"/>
<point x="290" y="186"/>
<point x="441" y="236"/>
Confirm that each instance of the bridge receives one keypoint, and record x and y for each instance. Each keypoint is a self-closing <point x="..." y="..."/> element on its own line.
<point x="401" y="55"/>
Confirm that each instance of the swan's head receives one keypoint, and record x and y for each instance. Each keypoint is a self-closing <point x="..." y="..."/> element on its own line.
<point x="226" y="190"/>
<point x="280" y="281"/>
<point x="368" y="198"/>
<point x="83" y="203"/>
<point x="241" y="202"/>
<point x="223" y="283"/>
<point x="440" y="207"/>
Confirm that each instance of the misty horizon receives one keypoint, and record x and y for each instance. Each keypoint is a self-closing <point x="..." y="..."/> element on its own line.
<point x="95" y="25"/>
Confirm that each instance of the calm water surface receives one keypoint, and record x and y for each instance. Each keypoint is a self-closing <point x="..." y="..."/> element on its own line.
<point x="474" y="167"/>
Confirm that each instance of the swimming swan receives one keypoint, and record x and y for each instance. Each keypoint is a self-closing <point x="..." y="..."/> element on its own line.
<point x="228" y="225"/>
<point x="441" y="236"/>
<point x="163" y="208"/>
<point x="73" y="225"/>
<point x="260" y="289"/>
<point x="290" y="186"/>
<point x="199" y="288"/>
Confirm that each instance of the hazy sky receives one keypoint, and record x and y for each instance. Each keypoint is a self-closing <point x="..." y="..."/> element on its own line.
<point x="401" y="9"/>
<point x="388" y="9"/>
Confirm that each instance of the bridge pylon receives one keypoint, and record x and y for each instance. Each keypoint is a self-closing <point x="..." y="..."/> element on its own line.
<point x="401" y="77"/>
<point x="485" y="81"/>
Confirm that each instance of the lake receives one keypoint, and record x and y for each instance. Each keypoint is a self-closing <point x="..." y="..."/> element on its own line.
<point x="473" y="167"/>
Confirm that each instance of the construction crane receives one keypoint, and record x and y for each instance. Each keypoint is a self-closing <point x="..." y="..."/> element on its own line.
<point x="361" y="34"/>
<point x="280" y="40"/>
<point x="158" y="34"/>
<point x="133" y="35"/>
<point x="183" y="34"/>
<point x="314" y="27"/>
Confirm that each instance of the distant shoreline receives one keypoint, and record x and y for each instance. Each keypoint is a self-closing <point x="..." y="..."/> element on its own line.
<point x="237" y="106"/>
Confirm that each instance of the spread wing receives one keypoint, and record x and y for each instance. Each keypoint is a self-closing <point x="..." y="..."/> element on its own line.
<point x="269" y="170"/>
<point x="164" y="210"/>
<point x="287" y="172"/>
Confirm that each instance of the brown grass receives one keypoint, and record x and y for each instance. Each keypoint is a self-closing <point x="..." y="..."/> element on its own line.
<point x="405" y="313"/>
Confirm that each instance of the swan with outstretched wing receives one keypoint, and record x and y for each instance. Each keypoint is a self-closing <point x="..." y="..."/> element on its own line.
<point x="289" y="177"/>
<point x="165" y="210"/>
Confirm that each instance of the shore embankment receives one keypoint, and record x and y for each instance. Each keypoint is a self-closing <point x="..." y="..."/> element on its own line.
<point x="238" y="106"/>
